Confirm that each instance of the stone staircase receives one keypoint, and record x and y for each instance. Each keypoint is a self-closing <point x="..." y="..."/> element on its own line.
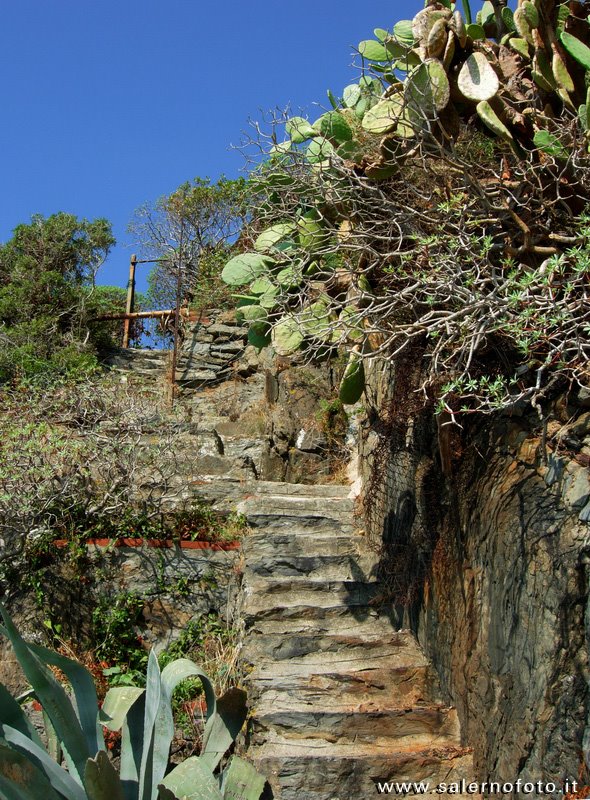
<point x="340" y="700"/>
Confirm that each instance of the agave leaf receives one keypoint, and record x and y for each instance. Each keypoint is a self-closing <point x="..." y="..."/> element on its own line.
<point x="576" y="48"/>
<point x="20" y="779"/>
<point x="152" y="699"/>
<point x="132" y="748"/>
<point x="477" y="79"/>
<point x="299" y="129"/>
<point x="117" y="703"/>
<point x="241" y="781"/>
<point x="58" y="777"/>
<point x="221" y="731"/>
<point x="52" y="697"/>
<point x="12" y="714"/>
<point x="192" y="780"/>
<point x="53" y="743"/>
<point x="84" y="690"/>
<point x="101" y="779"/>
<point x="245" y="268"/>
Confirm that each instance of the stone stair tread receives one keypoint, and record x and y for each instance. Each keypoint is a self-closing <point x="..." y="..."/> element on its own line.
<point x="282" y="647"/>
<point x="393" y="687"/>
<point x="352" y="659"/>
<point x="280" y="746"/>
<point x="374" y="622"/>
<point x="423" y="723"/>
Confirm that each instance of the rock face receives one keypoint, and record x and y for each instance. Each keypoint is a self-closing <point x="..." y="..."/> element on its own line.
<point x="340" y="699"/>
<point x="492" y="527"/>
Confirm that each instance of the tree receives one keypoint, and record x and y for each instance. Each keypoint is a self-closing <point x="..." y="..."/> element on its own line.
<point x="47" y="274"/>
<point x="206" y="217"/>
<point x="438" y="210"/>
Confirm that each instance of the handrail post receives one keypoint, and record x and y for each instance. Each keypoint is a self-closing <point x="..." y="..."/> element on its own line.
<point x="130" y="299"/>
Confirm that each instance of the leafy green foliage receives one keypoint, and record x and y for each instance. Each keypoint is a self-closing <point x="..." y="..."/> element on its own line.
<point x="47" y="270"/>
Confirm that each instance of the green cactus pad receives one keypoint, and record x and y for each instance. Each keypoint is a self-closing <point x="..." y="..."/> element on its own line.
<point x="437" y="39"/>
<point x="457" y="24"/>
<point x="351" y="95"/>
<point x="531" y="13"/>
<point x="477" y="80"/>
<point x="561" y="73"/>
<point x="273" y="235"/>
<point x="373" y="51"/>
<point x="523" y="25"/>
<point x="508" y="19"/>
<point x="253" y="312"/>
<point x="319" y="150"/>
<point x="475" y="31"/>
<point x="259" y="334"/>
<point x="316" y="320"/>
<point x="550" y="144"/>
<point x="245" y="268"/>
<point x="352" y="385"/>
<point x="261" y="286"/>
<point x="299" y="129"/>
<point x="439" y="84"/>
<point x="286" y="335"/>
<point x="384" y="117"/>
<point x="312" y="231"/>
<point x="520" y="45"/>
<point x="576" y="48"/>
<point x="492" y="120"/>
<point x="402" y="31"/>
<point x="333" y="125"/>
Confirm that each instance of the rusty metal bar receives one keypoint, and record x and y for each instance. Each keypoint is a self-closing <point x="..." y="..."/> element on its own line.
<point x="169" y="312"/>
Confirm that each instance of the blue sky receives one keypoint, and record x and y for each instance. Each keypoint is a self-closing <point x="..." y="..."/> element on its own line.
<point x="107" y="105"/>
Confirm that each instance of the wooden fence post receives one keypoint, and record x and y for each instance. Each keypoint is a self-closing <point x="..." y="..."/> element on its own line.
<point x="130" y="299"/>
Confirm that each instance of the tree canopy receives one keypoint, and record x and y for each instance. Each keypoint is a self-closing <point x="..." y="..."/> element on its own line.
<point x="48" y="296"/>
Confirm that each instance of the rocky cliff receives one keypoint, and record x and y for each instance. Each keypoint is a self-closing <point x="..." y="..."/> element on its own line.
<point x="483" y="534"/>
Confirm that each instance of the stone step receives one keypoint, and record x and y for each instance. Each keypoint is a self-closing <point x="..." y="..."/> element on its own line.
<point x="295" y="505"/>
<point x="262" y="547"/>
<point x="366" y="690"/>
<point x="277" y="647"/>
<point x="425" y="725"/>
<point x="380" y="621"/>
<point x="267" y="599"/>
<point x="330" y="567"/>
<point x="280" y="521"/>
<point x="336" y="662"/>
<point x="351" y="771"/>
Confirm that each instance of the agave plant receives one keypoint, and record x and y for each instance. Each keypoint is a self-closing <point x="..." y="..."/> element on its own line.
<point x="29" y="770"/>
